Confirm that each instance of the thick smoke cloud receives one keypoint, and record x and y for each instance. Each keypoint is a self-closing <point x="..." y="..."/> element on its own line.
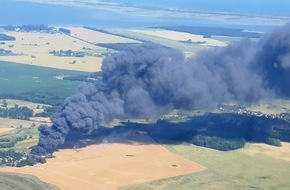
<point x="148" y="80"/>
<point x="272" y="60"/>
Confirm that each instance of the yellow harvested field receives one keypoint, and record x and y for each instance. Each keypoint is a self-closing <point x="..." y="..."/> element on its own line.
<point x="111" y="165"/>
<point x="33" y="48"/>
<point x="13" y="123"/>
<point x="97" y="37"/>
<point x="181" y="36"/>
<point x="5" y="129"/>
<point x="85" y="64"/>
<point x="256" y="149"/>
<point x="41" y="119"/>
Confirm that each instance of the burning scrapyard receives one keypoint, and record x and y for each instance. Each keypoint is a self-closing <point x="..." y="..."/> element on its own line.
<point x="149" y="80"/>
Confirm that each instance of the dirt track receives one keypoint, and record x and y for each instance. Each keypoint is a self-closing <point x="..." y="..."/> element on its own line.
<point x="111" y="165"/>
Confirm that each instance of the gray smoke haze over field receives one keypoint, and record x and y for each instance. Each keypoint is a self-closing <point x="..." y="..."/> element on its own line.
<point x="148" y="80"/>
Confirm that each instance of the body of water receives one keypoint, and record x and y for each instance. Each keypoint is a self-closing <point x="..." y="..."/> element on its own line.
<point x="265" y="7"/>
<point x="17" y="13"/>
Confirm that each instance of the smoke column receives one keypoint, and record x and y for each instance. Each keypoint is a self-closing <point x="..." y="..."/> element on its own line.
<point x="148" y="80"/>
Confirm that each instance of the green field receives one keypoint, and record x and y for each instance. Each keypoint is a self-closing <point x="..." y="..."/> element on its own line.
<point x="226" y="170"/>
<point x="32" y="83"/>
<point x="9" y="181"/>
<point x="163" y="41"/>
<point x="29" y="137"/>
<point x="19" y="79"/>
<point x="275" y="106"/>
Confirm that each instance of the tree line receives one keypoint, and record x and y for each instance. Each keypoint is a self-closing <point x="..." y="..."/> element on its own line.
<point x="18" y="159"/>
<point x="218" y="143"/>
<point x="226" y="131"/>
<point x="16" y="112"/>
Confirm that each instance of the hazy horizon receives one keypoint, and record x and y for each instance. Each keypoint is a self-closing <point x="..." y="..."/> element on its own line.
<point x="270" y="7"/>
<point x="128" y="13"/>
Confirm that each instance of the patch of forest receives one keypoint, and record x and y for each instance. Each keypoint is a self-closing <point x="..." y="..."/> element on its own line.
<point x="30" y="28"/>
<point x="36" y="28"/>
<point x="94" y="77"/>
<point x="42" y="98"/>
<point x="18" y="159"/>
<point x="16" y="112"/>
<point x="223" y="131"/>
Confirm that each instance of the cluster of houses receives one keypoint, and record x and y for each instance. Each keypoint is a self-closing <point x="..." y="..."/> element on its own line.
<point x="244" y="111"/>
<point x="20" y="159"/>
<point x="70" y="53"/>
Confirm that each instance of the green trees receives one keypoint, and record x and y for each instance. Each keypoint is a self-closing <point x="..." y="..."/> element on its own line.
<point x="222" y="131"/>
<point x="64" y="30"/>
<point x="273" y="141"/>
<point x="16" y="112"/>
<point x="218" y="143"/>
<point x="21" y="163"/>
<point x="12" y="158"/>
<point x="8" y="157"/>
<point x="9" y="142"/>
<point x="30" y="28"/>
<point x="43" y="98"/>
<point x="48" y="111"/>
<point x="4" y="103"/>
<point x="30" y="161"/>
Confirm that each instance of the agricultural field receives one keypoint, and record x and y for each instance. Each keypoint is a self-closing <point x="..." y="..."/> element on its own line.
<point x="33" y="48"/>
<point x="14" y="130"/>
<point x="12" y="181"/>
<point x="14" y="123"/>
<point x="257" y="149"/>
<point x="247" y="168"/>
<point x="182" y="37"/>
<point x="34" y="84"/>
<point x="35" y="81"/>
<point x="95" y="37"/>
<point x="5" y="129"/>
<point x="37" y="108"/>
<point x="134" y="158"/>
<point x="189" y="43"/>
<point x="188" y="49"/>
<point x="154" y="119"/>
<point x="274" y="106"/>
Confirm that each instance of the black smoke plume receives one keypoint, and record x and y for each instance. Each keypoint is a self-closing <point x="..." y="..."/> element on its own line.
<point x="148" y="80"/>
